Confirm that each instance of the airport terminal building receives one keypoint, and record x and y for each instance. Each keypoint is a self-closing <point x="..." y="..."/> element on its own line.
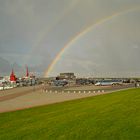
<point x="67" y="76"/>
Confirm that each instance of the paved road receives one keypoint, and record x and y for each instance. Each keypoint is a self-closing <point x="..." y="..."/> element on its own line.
<point x="16" y="92"/>
<point x="26" y="98"/>
<point x="24" y="91"/>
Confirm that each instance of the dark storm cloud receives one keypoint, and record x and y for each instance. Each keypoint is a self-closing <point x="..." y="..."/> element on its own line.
<point x="34" y="31"/>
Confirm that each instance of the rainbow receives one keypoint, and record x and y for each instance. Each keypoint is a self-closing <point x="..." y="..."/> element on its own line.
<point x="82" y="33"/>
<point x="43" y="33"/>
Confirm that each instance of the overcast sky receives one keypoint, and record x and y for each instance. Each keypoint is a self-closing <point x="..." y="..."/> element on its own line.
<point x="33" y="32"/>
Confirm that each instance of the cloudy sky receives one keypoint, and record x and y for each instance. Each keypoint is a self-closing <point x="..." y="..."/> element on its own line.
<point x="101" y="37"/>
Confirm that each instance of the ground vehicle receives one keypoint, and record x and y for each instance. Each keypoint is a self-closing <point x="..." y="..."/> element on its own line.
<point x="84" y="81"/>
<point x="108" y="82"/>
<point x="60" y="82"/>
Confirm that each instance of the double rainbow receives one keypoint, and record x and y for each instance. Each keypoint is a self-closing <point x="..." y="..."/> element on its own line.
<point x="82" y="33"/>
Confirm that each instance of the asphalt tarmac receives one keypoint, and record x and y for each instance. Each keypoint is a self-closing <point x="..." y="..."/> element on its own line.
<point x="26" y="97"/>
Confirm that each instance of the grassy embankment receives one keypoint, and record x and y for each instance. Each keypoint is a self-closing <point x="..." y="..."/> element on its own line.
<point x="111" y="117"/>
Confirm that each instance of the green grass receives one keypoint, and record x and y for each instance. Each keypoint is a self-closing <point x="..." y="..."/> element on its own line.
<point x="113" y="116"/>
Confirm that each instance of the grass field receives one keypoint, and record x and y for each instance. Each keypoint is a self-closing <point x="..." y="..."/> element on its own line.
<point x="114" y="116"/>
